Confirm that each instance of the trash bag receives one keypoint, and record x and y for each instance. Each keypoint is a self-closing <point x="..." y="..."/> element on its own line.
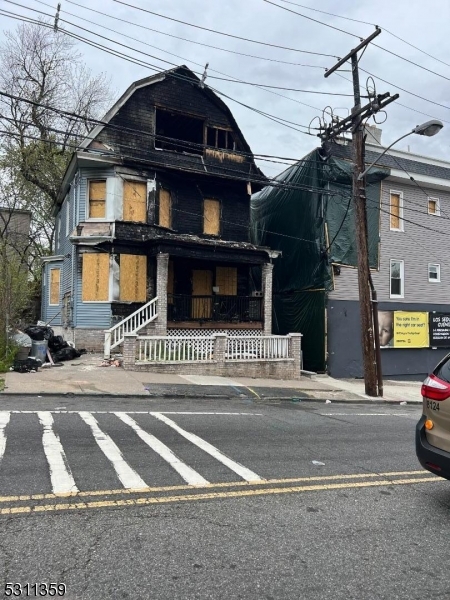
<point x="21" y="339"/>
<point x="56" y="343"/>
<point x="27" y="365"/>
<point x="65" y="354"/>
<point x="39" y="332"/>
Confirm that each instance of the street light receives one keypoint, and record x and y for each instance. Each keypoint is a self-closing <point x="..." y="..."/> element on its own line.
<point x="428" y="129"/>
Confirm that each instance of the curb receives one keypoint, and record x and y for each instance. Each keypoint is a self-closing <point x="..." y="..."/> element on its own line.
<point x="290" y="398"/>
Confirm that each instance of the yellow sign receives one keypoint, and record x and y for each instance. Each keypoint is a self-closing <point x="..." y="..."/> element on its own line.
<point x="410" y="329"/>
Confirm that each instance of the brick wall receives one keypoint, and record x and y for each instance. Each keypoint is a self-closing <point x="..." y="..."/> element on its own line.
<point x="90" y="339"/>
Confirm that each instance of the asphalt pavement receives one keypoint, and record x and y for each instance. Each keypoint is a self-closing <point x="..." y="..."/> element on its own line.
<point x="239" y="498"/>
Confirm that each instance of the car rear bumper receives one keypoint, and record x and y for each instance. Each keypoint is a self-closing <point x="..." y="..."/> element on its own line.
<point x="429" y="455"/>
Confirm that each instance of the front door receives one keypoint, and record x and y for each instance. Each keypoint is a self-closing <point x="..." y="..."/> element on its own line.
<point x="202" y="281"/>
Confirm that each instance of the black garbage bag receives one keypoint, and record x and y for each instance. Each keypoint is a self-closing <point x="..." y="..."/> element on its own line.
<point x="56" y="343"/>
<point x="27" y="365"/>
<point x="39" y="332"/>
<point x="68" y="353"/>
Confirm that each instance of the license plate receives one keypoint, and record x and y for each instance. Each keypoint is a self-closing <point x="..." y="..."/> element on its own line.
<point x="431" y="404"/>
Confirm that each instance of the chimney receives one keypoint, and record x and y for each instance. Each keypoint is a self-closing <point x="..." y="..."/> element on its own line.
<point x="373" y="134"/>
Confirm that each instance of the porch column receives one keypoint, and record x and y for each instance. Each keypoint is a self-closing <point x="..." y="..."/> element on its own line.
<point x="162" y="272"/>
<point x="267" y="273"/>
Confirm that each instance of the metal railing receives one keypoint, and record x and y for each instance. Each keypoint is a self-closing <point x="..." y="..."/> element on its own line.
<point x="131" y="324"/>
<point x="229" y="309"/>
<point x="162" y="349"/>
<point x="257" y="348"/>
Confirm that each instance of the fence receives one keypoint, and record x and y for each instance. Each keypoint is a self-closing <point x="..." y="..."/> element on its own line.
<point x="161" y="349"/>
<point x="250" y="356"/>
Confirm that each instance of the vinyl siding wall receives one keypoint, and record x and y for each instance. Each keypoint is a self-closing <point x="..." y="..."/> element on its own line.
<point x="416" y="246"/>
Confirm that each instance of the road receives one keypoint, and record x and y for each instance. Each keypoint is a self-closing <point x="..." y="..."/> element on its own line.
<point x="164" y="499"/>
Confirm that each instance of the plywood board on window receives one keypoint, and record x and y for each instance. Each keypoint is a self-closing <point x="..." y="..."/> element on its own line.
<point x="165" y="208"/>
<point x="226" y="280"/>
<point x="97" y="199"/>
<point x="211" y="217"/>
<point x="395" y="211"/>
<point x="95" y="278"/>
<point x="201" y="308"/>
<point x="55" y="285"/>
<point x="135" y="201"/>
<point x="133" y="278"/>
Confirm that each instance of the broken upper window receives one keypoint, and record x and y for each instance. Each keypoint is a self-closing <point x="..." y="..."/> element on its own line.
<point x="220" y="138"/>
<point x="178" y="132"/>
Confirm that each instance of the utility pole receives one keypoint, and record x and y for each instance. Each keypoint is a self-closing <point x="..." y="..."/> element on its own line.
<point x="373" y="378"/>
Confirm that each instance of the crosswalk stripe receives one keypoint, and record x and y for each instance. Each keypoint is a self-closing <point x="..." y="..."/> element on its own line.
<point x="187" y="473"/>
<point x="127" y="476"/>
<point x="4" y="420"/>
<point x="239" y="469"/>
<point x="60" y="473"/>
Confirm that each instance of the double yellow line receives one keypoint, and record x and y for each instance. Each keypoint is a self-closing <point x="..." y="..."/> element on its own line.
<point x="146" y="496"/>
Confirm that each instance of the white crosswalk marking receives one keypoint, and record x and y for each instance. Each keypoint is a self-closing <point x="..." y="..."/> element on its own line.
<point x="60" y="474"/>
<point x="210" y="449"/>
<point x="4" y="420"/>
<point x="186" y="472"/>
<point x="127" y="476"/>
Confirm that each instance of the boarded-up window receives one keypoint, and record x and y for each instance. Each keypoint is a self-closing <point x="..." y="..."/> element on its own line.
<point x="396" y="211"/>
<point x="97" y="199"/>
<point x="55" y="286"/>
<point x="226" y="281"/>
<point x="211" y="217"/>
<point x="135" y="201"/>
<point x="170" y="283"/>
<point x="133" y="278"/>
<point x="95" y="281"/>
<point x="434" y="207"/>
<point x="165" y="208"/>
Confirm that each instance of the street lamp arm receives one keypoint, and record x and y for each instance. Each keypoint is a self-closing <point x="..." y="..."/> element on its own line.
<point x="361" y="175"/>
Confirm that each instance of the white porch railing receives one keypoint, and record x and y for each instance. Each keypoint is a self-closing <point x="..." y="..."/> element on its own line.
<point x="162" y="349"/>
<point x="131" y="324"/>
<point x="267" y="347"/>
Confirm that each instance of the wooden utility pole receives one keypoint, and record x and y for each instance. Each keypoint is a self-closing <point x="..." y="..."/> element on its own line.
<point x="367" y="295"/>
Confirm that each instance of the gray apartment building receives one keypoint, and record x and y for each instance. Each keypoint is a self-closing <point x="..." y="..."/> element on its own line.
<point x="316" y="280"/>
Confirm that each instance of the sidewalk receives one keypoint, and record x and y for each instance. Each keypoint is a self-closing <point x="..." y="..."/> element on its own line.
<point x="86" y="376"/>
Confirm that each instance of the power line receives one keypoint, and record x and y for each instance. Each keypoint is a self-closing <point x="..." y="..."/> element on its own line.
<point x="367" y="23"/>
<point x="140" y="62"/>
<point x="311" y="19"/>
<point x="285" y="62"/>
<point x="229" y="78"/>
<point x="223" y="33"/>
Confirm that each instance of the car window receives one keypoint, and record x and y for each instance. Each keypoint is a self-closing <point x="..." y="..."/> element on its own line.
<point x="443" y="369"/>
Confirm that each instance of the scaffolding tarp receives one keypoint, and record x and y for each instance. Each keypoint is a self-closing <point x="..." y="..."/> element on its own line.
<point x="308" y="214"/>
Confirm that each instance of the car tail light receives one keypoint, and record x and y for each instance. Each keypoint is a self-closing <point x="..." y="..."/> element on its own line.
<point x="435" y="389"/>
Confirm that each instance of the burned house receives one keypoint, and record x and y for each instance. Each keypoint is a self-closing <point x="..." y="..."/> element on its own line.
<point x="153" y="222"/>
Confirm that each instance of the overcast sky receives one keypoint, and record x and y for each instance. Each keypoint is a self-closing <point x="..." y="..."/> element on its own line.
<point x="423" y="24"/>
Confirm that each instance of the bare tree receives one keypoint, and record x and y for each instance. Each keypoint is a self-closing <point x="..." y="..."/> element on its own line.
<point x="36" y="140"/>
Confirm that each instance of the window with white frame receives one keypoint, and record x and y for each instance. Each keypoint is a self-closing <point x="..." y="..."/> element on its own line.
<point x="434" y="207"/>
<point x="397" y="278"/>
<point x="396" y="211"/>
<point x="434" y="272"/>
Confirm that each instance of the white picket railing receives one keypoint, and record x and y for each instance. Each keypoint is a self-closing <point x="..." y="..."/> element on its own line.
<point x="161" y="349"/>
<point x="131" y="324"/>
<point x="267" y="347"/>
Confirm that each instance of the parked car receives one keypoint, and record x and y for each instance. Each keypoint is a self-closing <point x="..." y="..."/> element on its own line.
<point x="433" y="429"/>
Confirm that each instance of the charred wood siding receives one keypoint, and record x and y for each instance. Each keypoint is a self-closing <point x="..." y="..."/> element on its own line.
<point x="137" y="117"/>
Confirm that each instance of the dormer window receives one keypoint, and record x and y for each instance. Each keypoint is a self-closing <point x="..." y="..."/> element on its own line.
<point x="178" y="132"/>
<point x="220" y="138"/>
